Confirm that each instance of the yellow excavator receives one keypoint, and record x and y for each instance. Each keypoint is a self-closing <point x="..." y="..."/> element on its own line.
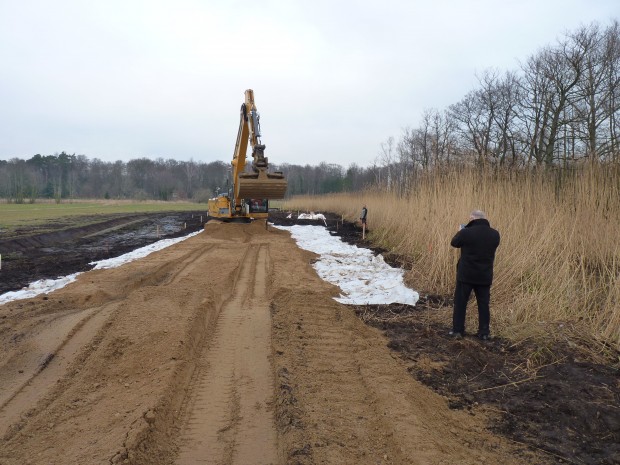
<point x="251" y="190"/>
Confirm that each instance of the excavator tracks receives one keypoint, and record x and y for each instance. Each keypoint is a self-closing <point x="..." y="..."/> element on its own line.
<point x="229" y="408"/>
<point x="58" y="341"/>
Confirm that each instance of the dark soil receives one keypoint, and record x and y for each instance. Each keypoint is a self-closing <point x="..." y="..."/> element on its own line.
<point x="547" y="395"/>
<point x="550" y="398"/>
<point x="68" y="245"/>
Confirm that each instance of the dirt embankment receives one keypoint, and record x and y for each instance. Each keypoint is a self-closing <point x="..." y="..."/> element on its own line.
<point x="227" y="348"/>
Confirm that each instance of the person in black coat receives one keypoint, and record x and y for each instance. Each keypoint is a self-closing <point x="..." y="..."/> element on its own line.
<point x="474" y="271"/>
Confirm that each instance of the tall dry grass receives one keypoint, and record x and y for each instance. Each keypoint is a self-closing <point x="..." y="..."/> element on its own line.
<point x="559" y="258"/>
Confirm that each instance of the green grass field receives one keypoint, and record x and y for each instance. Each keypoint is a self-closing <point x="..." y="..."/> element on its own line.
<point x="20" y="215"/>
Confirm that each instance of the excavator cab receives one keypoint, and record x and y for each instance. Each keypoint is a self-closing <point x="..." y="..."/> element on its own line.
<point x="257" y="205"/>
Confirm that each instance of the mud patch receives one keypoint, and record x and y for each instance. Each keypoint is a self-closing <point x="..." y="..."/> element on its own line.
<point x="68" y="246"/>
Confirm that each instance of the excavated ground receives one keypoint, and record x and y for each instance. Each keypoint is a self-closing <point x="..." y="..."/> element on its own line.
<point x="69" y="244"/>
<point x="227" y="348"/>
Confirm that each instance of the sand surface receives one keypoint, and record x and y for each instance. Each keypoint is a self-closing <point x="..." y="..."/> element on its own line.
<point x="223" y="349"/>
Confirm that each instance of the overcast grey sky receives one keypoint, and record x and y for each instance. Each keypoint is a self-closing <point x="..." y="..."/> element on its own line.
<point x="122" y="79"/>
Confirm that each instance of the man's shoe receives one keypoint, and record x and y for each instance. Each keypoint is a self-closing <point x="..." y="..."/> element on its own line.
<point x="484" y="337"/>
<point x="455" y="334"/>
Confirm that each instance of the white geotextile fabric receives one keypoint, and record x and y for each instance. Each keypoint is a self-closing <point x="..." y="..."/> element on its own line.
<point x="363" y="277"/>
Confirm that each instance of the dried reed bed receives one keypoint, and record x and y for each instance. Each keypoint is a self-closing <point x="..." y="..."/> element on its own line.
<point x="559" y="260"/>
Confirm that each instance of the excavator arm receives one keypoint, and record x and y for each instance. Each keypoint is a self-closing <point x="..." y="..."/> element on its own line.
<point x="253" y="186"/>
<point x="257" y="183"/>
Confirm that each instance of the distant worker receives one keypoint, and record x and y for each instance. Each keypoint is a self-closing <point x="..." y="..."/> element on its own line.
<point x="363" y="217"/>
<point x="474" y="271"/>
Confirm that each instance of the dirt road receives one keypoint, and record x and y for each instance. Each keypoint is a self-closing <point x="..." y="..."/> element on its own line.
<point x="223" y="349"/>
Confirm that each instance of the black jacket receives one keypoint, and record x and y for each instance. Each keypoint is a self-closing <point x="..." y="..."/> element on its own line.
<point x="478" y="242"/>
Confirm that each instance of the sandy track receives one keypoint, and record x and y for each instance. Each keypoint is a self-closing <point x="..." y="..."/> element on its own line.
<point x="230" y="400"/>
<point x="226" y="348"/>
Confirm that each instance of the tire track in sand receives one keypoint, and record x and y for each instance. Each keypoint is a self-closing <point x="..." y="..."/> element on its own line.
<point x="229" y="414"/>
<point x="63" y="338"/>
<point x="74" y="332"/>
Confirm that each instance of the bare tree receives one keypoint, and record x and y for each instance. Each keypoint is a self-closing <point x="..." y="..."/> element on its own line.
<point x="474" y="115"/>
<point x="190" y="169"/>
<point x="387" y="158"/>
<point x="507" y="97"/>
<point x="598" y="102"/>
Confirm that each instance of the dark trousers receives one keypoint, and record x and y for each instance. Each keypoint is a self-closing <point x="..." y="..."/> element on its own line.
<point x="461" y="296"/>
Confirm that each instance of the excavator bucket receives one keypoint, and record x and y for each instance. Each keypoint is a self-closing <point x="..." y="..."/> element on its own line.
<point x="262" y="185"/>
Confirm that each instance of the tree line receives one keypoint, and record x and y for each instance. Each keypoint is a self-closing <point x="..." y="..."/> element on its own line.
<point x="560" y="108"/>
<point x="70" y="176"/>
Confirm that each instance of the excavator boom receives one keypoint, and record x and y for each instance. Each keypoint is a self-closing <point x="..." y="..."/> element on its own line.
<point x="258" y="183"/>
